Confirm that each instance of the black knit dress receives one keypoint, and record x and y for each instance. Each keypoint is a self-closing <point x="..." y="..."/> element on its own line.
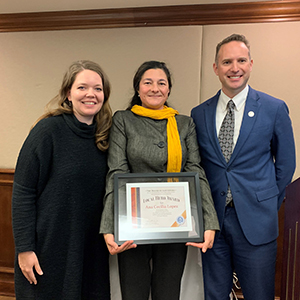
<point x="57" y="203"/>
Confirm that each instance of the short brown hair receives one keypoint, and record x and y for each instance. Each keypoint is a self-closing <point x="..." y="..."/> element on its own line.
<point x="231" y="38"/>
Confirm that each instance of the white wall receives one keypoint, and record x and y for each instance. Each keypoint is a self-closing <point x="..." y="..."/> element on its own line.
<point x="32" y="66"/>
<point x="33" y="63"/>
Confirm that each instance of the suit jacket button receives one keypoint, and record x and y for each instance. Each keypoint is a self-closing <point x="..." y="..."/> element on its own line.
<point x="223" y="193"/>
<point x="161" y="144"/>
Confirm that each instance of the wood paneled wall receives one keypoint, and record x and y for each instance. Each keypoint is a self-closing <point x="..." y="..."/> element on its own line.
<point x="290" y="288"/>
<point x="7" y="249"/>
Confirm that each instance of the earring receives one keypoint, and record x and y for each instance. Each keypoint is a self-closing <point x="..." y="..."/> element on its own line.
<point x="68" y="102"/>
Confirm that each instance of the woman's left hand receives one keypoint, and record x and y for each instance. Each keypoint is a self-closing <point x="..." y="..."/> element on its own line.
<point x="209" y="237"/>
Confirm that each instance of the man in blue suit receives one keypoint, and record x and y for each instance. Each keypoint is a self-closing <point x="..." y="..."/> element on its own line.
<point x="261" y="164"/>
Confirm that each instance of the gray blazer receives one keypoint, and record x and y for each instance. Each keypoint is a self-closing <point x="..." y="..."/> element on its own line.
<point x="139" y="145"/>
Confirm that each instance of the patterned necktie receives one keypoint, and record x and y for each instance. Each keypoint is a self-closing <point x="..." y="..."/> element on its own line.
<point x="226" y="139"/>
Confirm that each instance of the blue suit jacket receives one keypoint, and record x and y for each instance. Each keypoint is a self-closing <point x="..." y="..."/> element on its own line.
<point x="261" y="165"/>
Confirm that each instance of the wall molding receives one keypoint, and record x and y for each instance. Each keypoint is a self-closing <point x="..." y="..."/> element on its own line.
<point x="180" y="15"/>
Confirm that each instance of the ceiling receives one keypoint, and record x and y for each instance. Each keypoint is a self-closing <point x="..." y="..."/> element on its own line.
<point x="17" y="6"/>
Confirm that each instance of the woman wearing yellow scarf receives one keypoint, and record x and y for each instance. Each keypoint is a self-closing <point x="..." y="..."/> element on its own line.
<point x="151" y="137"/>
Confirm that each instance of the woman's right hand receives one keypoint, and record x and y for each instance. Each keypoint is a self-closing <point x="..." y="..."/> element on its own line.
<point x="113" y="247"/>
<point x="28" y="261"/>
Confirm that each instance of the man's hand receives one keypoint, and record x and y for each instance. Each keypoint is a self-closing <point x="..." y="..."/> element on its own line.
<point x="27" y="262"/>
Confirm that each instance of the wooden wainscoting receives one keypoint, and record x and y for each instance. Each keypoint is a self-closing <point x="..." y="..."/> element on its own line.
<point x="290" y="288"/>
<point x="7" y="248"/>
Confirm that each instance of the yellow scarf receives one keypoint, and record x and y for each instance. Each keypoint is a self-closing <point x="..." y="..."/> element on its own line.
<point x="174" y="145"/>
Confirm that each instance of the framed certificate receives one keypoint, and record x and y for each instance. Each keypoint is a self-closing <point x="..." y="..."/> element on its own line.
<point x="160" y="208"/>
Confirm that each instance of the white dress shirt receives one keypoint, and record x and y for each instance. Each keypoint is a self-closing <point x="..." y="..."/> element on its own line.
<point x="239" y="101"/>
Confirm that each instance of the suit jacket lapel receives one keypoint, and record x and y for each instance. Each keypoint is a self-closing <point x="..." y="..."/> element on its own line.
<point x="250" y="113"/>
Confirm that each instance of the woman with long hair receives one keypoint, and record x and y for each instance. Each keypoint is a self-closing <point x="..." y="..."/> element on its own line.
<point x="58" y="189"/>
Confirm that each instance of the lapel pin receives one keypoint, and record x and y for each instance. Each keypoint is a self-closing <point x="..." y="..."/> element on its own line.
<point x="251" y="114"/>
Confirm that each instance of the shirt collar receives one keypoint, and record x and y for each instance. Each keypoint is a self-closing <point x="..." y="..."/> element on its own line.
<point x="239" y="99"/>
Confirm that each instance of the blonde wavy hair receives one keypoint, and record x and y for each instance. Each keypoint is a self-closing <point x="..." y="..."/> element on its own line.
<point x="60" y="103"/>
